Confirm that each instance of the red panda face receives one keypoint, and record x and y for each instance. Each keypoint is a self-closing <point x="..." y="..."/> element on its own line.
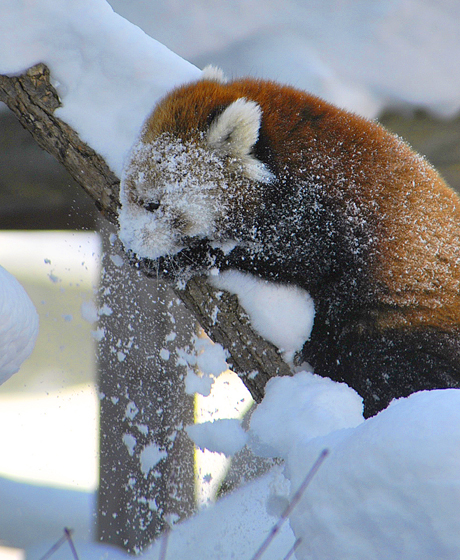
<point x="179" y="186"/>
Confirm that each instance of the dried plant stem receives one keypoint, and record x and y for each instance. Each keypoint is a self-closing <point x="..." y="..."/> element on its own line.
<point x="292" y="504"/>
<point x="66" y="537"/>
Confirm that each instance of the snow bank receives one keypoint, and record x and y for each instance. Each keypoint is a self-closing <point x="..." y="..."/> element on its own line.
<point x="359" y="54"/>
<point x="232" y="528"/>
<point x="108" y="72"/>
<point x="18" y="325"/>
<point x="390" y="487"/>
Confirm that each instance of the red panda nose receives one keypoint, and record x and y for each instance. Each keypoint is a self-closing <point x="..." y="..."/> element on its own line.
<point x="151" y="206"/>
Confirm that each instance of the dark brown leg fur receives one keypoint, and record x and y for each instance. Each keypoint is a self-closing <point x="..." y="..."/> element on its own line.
<point x="389" y="365"/>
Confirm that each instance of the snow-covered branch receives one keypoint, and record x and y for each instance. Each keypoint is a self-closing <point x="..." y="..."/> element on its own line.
<point x="33" y="99"/>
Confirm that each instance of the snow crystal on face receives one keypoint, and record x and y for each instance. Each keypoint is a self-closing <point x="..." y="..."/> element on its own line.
<point x="222" y="436"/>
<point x="18" y="325"/>
<point x="184" y="180"/>
<point x="281" y="314"/>
<point x="316" y="406"/>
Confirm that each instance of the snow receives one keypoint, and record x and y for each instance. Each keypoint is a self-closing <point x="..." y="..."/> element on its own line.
<point x="210" y="357"/>
<point x="281" y="314"/>
<point x="207" y="358"/>
<point x="89" y="311"/>
<point x="108" y="72"/>
<point x="232" y="528"/>
<point x="317" y="406"/>
<point x="18" y="325"/>
<point x="188" y="177"/>
<point x="130" y="441"/>
<point x="149" y="457"/>
<point x="222" y="436"/>
<point x="390" y="487"/>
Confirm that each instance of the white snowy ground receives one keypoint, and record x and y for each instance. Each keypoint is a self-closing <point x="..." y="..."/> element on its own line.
<point x="389" y="488"/>
<point x="48" y="449"/>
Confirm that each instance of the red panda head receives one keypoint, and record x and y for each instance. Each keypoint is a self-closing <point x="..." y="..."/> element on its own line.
<point x="194" y="155"/>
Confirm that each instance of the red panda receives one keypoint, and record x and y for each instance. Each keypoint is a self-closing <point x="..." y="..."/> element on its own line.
<point x="267" y="179"/>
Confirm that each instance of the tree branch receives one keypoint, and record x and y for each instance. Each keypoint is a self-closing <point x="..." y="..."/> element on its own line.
<point x="33" y="100"/>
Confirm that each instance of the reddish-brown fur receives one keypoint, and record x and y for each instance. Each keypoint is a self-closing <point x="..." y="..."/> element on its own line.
<point x="414" y="262"/>
<point x="418" y="215"/>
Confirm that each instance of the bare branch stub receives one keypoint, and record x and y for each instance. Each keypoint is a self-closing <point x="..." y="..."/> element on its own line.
<point x="34" y="100"/>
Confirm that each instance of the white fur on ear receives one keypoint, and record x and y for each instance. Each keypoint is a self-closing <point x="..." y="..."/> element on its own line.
<point x="235" y="132"/>
<point x="213" y="74"/>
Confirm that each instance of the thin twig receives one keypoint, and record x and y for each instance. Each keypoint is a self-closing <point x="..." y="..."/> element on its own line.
<point x="295" y="500"/>
<point x="55" y="547"/>
<point x="293" y="549"/>
<point x="164" y="544"/>
<point x="68" y="534"/>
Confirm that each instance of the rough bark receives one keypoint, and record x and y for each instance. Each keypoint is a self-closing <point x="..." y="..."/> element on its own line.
<point x="143" y="409"/>
<point x="33" y="99"/>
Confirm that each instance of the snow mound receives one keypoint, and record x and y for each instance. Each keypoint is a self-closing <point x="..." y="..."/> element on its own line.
<point x="390" y="487"/>
<point x="232" y="528"/>
<point x="108" y="73"/>
<point x="301" y="408"/>
<point x="18" y="325"/>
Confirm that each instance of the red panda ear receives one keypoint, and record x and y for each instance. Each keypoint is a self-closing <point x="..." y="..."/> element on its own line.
<point x="213" y="74"/>
<point x="236" y="129"/>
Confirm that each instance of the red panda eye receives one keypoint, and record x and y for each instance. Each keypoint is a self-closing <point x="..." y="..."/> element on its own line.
<point x="151" y="206"/>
